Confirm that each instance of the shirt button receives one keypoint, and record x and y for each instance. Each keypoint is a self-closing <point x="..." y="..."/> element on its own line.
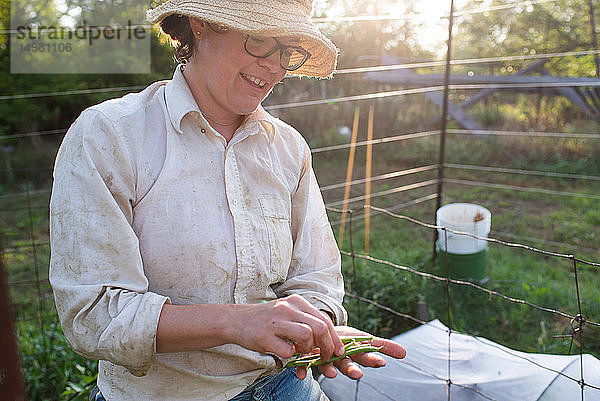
<point x="235" y="202"/>
<point x="243" y="251"/>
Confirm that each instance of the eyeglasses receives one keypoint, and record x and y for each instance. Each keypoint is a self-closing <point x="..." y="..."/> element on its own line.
<point x="290" y="57"/>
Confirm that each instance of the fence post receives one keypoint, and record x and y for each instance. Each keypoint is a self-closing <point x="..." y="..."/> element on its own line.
<point x="443" y="123"/>
<point x="368" y="168"/>
<point x="349" y="170"/>
<point x="594" y="36"/>
<point x="12" y="386"/>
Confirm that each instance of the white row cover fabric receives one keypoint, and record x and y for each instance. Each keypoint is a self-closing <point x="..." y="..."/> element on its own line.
<point x="479" y="369"/>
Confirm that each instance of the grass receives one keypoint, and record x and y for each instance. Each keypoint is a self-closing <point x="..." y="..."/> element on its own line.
<point x="551" y="222"/>
<point x="541" y="280"/>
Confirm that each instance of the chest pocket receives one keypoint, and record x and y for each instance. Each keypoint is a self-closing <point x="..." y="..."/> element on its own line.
<point x="277" y="219"/>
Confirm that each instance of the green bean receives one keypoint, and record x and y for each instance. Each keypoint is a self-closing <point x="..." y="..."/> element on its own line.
<point x="346" y="340"/>
<point x="352" y="345"/>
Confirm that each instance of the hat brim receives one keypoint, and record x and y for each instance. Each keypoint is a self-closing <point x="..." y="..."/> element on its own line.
<point x="265" y="18"/>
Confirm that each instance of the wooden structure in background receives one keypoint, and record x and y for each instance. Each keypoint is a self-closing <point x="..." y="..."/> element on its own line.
<point x="573" y="88"/>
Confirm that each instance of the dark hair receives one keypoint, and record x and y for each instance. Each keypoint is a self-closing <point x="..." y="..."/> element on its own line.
<point x="182" y="38"/>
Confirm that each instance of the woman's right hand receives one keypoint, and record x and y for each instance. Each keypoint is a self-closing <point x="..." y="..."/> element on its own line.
<point x="283" y="327"/>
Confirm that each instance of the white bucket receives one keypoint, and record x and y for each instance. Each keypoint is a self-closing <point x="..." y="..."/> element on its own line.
<point x="466" y="217"/>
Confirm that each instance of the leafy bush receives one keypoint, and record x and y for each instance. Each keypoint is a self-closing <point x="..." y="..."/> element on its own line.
<point x="52" y="370"/>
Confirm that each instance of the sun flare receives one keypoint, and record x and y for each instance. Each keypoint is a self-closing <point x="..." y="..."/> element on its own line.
<point x="429" y="19"/>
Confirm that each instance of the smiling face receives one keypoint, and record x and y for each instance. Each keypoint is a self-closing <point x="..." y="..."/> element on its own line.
<point x="227" y="81"/>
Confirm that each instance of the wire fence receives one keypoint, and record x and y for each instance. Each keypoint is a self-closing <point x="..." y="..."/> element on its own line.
<point x="42" y="294"/>
<point x="577" y="322"/>
<point x="26" y="238"/>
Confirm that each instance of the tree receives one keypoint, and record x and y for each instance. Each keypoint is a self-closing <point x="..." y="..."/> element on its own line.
<point x="560" y="26"/>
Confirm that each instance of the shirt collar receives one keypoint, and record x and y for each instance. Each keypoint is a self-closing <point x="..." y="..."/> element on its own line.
<point x="180" y="102"/>
<point x="179" y="99"/>
<point x="263" y="120"/>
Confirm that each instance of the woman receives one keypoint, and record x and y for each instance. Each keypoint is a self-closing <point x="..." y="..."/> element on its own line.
<point x="191" y="252"/>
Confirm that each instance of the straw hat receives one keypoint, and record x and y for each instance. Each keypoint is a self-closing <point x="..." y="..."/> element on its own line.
<point x="262" y="18"/>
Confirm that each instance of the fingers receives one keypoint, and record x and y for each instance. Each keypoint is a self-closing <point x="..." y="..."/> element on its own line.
<point x="328" y="370"/>
<point x="323" y="334"/>
<point x="374" y="360"/>
<point x="300" y="334"/>
<point x="296" y="315"/>
<point x="338" y="346"/>
<point x="284" y="326"/>
<point x="348" y="368"/>
<point x="300" y="372"/>
<point x="368" y="359"/>
<point x="281" y="347"/>
<point x="390" y="348"/>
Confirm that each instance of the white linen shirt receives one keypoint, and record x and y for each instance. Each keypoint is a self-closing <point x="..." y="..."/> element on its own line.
<point x="151" y="205"/>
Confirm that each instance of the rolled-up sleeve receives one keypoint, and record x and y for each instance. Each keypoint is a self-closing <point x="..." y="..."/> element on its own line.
<point x="315" y="269"/>
<point x="96" y="270"/>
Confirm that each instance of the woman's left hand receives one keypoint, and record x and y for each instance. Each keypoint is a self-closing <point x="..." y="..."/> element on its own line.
<point x="349" y="365"/>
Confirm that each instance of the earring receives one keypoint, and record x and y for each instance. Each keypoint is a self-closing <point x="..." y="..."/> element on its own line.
<point x="198" y="33"/>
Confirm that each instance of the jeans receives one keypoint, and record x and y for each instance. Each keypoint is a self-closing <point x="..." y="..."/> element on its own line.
<point x="96" y="395"/>
<point x="283" y="386"/>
